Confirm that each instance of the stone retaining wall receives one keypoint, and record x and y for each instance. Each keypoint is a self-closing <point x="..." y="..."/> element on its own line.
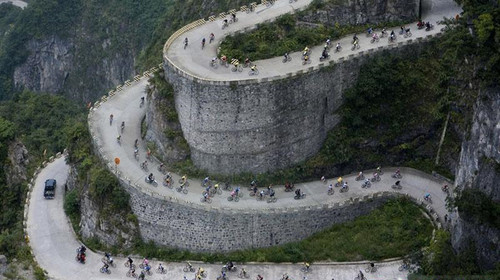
<point x="265" y="124"/>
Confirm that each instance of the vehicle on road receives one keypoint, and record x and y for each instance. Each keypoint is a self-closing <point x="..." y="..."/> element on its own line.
<point x="50" y="189"/>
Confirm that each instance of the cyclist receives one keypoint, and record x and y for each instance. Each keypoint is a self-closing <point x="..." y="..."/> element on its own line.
<point x="185" y="42"/>
<point x="183" y="179"/>
<point x="260" y="277"/>
<point x="142" y="100"/>
<point x="323" y="179"/>
<point x="370" y="30"/>
<point x="130" y="261"/>
<point x="297" y="193"/>
<point x="111" y="119"/>
<point x="144" y="165"/>
<point x="136" y="143"/>
<point x="123" y="125"/>
<point x="328" y="42"/>
<point x="205" y="181"/>
<point x="361" y="276"/>
<point x="330" y="187"/>
<point x="212" y="37"/>
<point x="243" y="272"/>
<point x="230" y="265"/>
<point x="360" y="175"/>
<point x="306" y="58"/>
<point x="383" y="32"/>
<point x="236" y="63"/>
<point x="261" y="194"/>
<point x="141" y="276"/>
<point x="119" y="138"/>
<point x="354" y="39"/>
<point x="237" y="190"/>
<point x="397" y="183"/>
<point x="223" y="59"/>
<point x="306" y="51"/>
<point x="202" y="43"/>
<point x="325" y="54"/>
<point x="253" y="183"/>
<point x="339" y="181"/>
<point x="225" y="23"/>
<point x="285" y="56"/>
<point x="108" y="257"/>
<point x="247" y="61"/>
<point x="393" y="36"/>
<point x="367" y="182"/>
<point x="407" y="31"/>
<point x="254" y="68"/>
<point x="205" y="196"/>
<point x="233" y="17"/>
<point x="151" y="178"/>
<point x="307" y="265"/>
<point x="161" y="268"/>
<point x="105" y="266"/>
<point x="427" y="196"/>
<point x="147" y="267"/>
<point x="375" y="36"/>
<point x="271" y="193"/>
<point x="445" y="188"/>
<point x="345" y="186"/>
<point x="402" y="30"/>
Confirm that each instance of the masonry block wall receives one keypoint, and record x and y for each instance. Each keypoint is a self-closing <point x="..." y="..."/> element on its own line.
<point x="264" y="124"/>
<point x="196" y="228"/>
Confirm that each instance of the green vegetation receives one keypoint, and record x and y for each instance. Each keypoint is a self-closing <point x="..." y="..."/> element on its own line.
<point x="393" y="230"/>
<point x="36" y="121"/>
<point x="284" y="35"/>
<point x="475" y="205"/>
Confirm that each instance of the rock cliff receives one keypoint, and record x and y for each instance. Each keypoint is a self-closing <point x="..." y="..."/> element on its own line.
<point x="58" y="65"/>
<point x="18" y="160"/>
<point x="479" y="168"/>
<point x="362" y="11"/>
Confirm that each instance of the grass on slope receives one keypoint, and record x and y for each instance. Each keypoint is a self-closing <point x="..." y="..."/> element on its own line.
<point x="393" y="230"/>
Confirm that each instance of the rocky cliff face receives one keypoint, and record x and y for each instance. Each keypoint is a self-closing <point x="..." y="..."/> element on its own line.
<point x="56" y="65"/>
<point x="363" y="12"/>
<point x="163" y="131"/>
<point x="107" y="226"/>
<point x="18" y="159"/>
<point x="479" y="168"/>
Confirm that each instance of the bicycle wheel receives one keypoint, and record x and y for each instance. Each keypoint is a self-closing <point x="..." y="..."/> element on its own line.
<point x="184" y="190"/>
<point x="229" y="198"/>
<point x="219" y="191"/>
<point x="240" y="69"/>
<point x="141" y="266"/>
<point x="331" y="192"/>
<point x="186" y="269"/>
<point x="236" y="199"/>
<point x="179" y="189"/>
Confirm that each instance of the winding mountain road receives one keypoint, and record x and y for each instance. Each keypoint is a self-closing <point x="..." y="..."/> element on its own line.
<point x="54" y="243"/>
<point x="18" y="3"/>
<point x="195" y="61"/>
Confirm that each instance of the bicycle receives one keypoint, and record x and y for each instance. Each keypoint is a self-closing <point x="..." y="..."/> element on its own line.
<point x="243" y="274"/>
<point x="272" y="199"/>
<point x="344" y="189"/>
<point x="233" y="198"/>
<point x="373" y="40"/>
<point x="371" y="269"/>
<point x="286" y="59"/>
<point x="214" y="64"/>
<point x="331" y="191"/>
<point x="269" y="3"/>
<point x="105" y="270"/>
<point x="306" y="268"/>
<point x="355" y="46"/>
<point x="253" y="72"/>
<point x="182" y="189"/>
<point x="188" y="268"/>
<point x="169" y="184"/>
<point x="206" y="199"/>
<point x="238" y="68"/>
<point x="131" y="273"/>
<point x="184" y="182"/>
<point x="406" y="266"/>
<point x="109" y="262"/>
<point x="161" y="271"/>
<point x="127" y="264"/>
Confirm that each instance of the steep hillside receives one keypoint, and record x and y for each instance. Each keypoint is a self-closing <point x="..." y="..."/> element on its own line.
<point x="82" y="48"/>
